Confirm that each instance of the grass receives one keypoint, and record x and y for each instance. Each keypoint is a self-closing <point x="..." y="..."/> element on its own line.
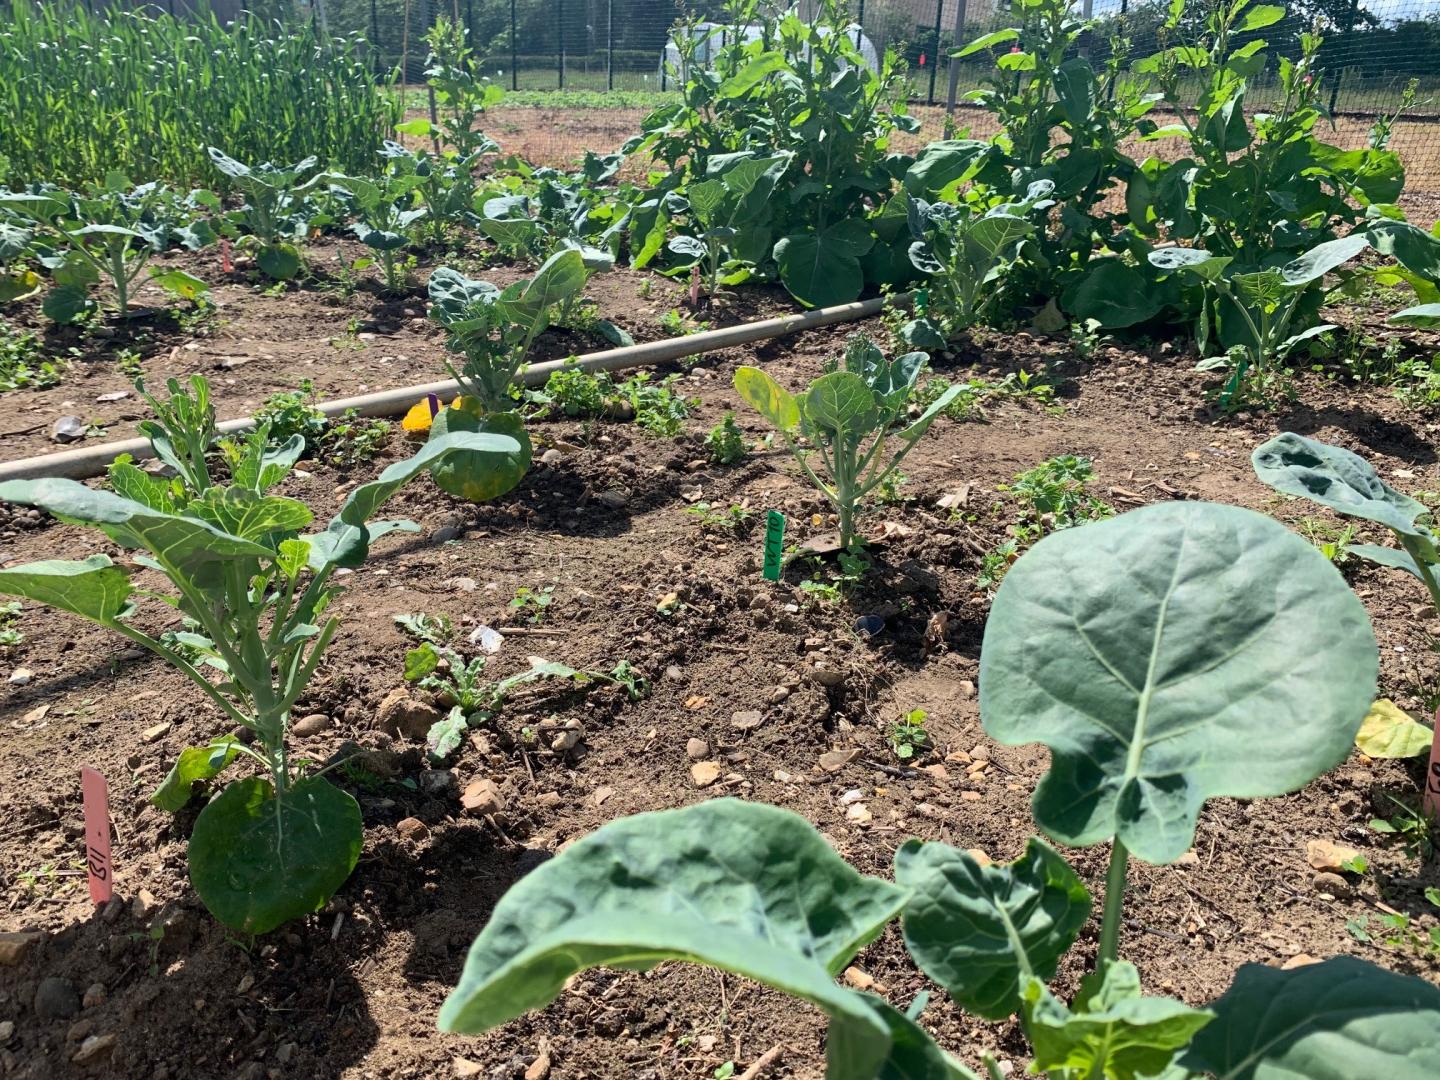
<point x="87" y="94"/>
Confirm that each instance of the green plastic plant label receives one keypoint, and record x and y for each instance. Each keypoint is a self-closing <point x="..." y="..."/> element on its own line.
<point x="774" y="543"/>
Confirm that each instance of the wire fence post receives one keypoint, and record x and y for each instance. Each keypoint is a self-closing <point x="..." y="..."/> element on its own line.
<point x="951" y="97"/>
<point x="935" y="56"/>
<point x="860" y="25"/>
<point x="610" y="45"/>
<point x="560" y="53"/>
<point x="375" y="36"/>
<point x="514" y="51"/>
<point x="1346" y="38"/>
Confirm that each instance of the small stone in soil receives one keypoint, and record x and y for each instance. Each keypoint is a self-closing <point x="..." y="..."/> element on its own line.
<point x="412" y="828"/>
<point x="156" y="733"/>
<point x="313" y="724"/>
<point x="94" y="995"/>
<point x="704" y="773"/>
<point x="56" y="999"/>
<point x="93" y="1048"/>
<point x="835" y="760"/>
<point x="697" y="749"/>
<point x="482" y="797"/>
<point x="15" y="944"/>
<point x="1333" y="884"/>
<point x="746" y="720"/>
<point x="21" y="676"/>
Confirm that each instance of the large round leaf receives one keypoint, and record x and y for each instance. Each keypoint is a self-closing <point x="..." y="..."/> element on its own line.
<point x="1112" y="293"/>
<point x="258" y="860"/>
<point x="1175" y="653"/>
<point x="1340" y="1020"/>
<point x="979" y="930"/>
<point x="479" y="476"/>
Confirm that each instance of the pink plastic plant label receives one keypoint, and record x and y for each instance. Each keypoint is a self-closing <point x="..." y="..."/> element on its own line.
<point x="96" y="798"/>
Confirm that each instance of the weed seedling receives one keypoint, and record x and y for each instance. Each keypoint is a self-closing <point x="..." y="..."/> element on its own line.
<point x="9" y="633"/>
<point x="908" y="736"/>
<point x="21" y="365"/>
<point x="530" y="604"/>
<point x="292" y="412"/>
<point x="436" y="629"/>
<point x="726" y="442"/>
<point x="733" y="518"/>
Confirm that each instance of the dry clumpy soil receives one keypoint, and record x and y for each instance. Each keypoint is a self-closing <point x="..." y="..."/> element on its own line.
<point x="150" y="987"/>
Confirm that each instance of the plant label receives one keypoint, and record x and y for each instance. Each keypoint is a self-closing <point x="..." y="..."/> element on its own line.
<point x="1431" y="804"/>
<point x="774" y="543"/>
<point x="96" y="798"/>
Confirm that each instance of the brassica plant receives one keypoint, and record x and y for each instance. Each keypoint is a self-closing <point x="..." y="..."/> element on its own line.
<point x="1177" y="653"/>
<point x="1349" y="485"/>
<point x="255" y="590"/>
<point x="492" y="329"/>
<point x="845" y="420"/>
<point x="730" y="211"/>
<point x="388" y="208"/>
<point x="1258" y="311"/>
<point x="274" y="214"/>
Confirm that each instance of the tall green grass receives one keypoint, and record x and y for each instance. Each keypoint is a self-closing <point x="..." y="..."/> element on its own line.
<point x="83" y="95"/>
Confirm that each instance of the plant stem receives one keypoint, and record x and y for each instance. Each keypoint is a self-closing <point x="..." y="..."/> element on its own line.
<point x="1114" y="903"/>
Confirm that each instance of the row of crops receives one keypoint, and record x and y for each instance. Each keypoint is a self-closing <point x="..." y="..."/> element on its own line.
<point x="1138" y="650"/>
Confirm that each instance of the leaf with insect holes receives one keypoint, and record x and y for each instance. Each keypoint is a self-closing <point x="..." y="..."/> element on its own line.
<point x="1175" y="653"/>
<point x="445" y="735"/>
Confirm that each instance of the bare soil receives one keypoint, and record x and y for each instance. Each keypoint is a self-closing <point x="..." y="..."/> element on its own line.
<point x="353" y="992"/>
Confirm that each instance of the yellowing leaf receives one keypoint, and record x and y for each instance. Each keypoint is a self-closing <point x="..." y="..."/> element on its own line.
<point x="1388" y="731"/>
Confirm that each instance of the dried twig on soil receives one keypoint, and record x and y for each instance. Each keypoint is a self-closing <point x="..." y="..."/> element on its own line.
<point x="763" y="1062"/>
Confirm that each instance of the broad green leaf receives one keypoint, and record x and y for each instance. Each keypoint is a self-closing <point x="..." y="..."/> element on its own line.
<point x="1113" y="294"/>
<point x="824" y="269"/>
<point x="705" y="198"/>
<point x="65" y="303"/>
<point x="174" y="539"/>
<point x="1424" y="316"/>
<point x="484" y="475"/>
<point x="1190" y="260"/>
<point x="294" y="555"/>
<point x="1339" y="1020"/>
<point x="194" y="763"/>
<point x="755" y="71"/>
<point x="1322" y="258"/>
<point x="1172" y="654"/>
<point x="740" y="886"/>
<point x="258" y="860"/>
<point x="1336" y="478"/>
<point x="248" y="514"/>
<point x="560" y="276"/>
<point x="421" y="661"/>
<point x="1259" y="17"/>
<point x="979" y="930"/>
<point x="1395" y="558"/>
<point x="179" y="283"/>
<point x="94" y="588"/>
<point x="922" y="423"/>
<point x="839" y="404"/>
<point x="279" y="262"/>
<point x="346" y="540"/>
<point x="1114" y="1033"/>
<point x="913" y="1053"/>
<point x="1388" y="731"/>
<point x="987" y="41"/>
<point x="768" y="398"/>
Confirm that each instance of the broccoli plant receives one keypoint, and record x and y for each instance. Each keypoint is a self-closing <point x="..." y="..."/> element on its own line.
<point x="388" y="209"/>
<point x="845" y="420"/>
<point x="730" y="212"/>
<point x="1141" y="650"/>
<point x="1256" y="318"/>
<point x="273" y="216"/>
<point x="493" y="330"/>
<point x="255" y="591"/>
